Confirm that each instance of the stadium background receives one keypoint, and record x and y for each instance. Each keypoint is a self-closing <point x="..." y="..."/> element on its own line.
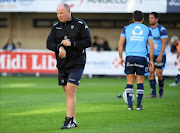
<point x="20" y="21"/>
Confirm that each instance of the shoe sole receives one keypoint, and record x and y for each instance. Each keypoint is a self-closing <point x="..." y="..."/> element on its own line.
<point x="139" y="109"/>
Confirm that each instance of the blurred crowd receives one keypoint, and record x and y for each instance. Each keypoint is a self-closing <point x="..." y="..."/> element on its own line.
<point x="100" y="44"/>
<point x="10" y="46"/>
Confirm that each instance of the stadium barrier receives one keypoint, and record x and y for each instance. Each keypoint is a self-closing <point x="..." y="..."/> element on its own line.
<point x="43" y="61"/>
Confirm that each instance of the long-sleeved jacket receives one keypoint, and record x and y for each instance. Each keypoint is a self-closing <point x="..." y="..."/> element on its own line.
<point x="78" y="33"/>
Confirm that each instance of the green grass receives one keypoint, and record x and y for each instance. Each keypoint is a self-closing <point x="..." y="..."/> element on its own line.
<point x="37" y="105"/>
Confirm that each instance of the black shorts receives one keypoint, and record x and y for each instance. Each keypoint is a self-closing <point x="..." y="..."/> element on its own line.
<point x="72" y="76"/>
<point x="136" y="64"/>
<point x="159" y="65"/>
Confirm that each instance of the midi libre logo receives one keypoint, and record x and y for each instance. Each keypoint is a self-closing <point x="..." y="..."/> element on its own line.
<point x="27" y="62"/>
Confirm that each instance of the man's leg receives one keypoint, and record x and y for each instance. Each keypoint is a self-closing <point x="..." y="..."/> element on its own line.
<point x="64" y="87"/>
<point x="161" y="81"/>
<point x="129" y="90"/>
<point x="71" y="100"/>
<point x="73" y="81"/>
<point x="139" y="91"/>
<point x="152" y="82"/>
<point x="70" y="119"/>
<point x="176" y="80"/>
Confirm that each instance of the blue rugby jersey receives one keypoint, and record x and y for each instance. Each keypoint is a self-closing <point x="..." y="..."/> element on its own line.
<point x="136" y="35"/>
<point x="158" y="33"/>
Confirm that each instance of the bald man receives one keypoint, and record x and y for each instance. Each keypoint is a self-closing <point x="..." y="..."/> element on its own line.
<point x="68" y="39"/>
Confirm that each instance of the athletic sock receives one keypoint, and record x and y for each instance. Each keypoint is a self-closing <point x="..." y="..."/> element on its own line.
<point x="177" y="79"/>
<point x="153" y="86"/>
<point x="161" y="86"/>
<point x="139" y="93"/>
<point x="129" y="91"/>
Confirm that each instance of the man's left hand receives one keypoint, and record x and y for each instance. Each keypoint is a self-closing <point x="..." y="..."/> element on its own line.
<point x="159" y="59"/>
<point x="66" y="42"/>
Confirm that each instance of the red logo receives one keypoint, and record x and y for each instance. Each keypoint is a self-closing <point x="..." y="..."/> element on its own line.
<point x="73" y="3"/>
<point x="116" y="63"/>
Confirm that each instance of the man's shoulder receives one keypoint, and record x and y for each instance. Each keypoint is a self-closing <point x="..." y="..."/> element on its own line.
<point x="161" y="28"/>
<point x="79" y="21"/>
<point x="139" y="25"/>
<point x="57" y="24"/>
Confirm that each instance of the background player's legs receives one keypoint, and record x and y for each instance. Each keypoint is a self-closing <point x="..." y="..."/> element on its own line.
<point x="161" y="81"/>
<point x="140" y="89"/>
<point x="152" y="82"/>
<point x="71" y="100"/>
<point x="129" y="88"/>
<point x="176" y="80"/>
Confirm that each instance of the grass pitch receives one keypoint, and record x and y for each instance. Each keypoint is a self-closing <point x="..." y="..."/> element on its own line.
<point x="37" y="105"/>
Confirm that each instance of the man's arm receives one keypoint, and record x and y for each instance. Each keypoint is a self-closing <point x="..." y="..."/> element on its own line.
<point x="163" y="47"/>
<point x="151" y="46"/>
<point x="85" y="41"/>
<point x="120" y="48"/>
<point x="178" y="54"/>
<point x="51" y="41"/>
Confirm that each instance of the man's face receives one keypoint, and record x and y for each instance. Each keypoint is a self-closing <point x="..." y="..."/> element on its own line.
<point x="62" y="14"/>
<point x="152" y="19"/>
<point x="175" y="43"/>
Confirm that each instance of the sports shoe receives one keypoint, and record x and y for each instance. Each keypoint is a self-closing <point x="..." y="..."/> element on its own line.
<point x="151" y="96"/>
<point x="130" y="107"/>
<point x="67" y="123"/>
<point x="119" y="96"/>
<point x="173" y="84"/>
<point x="139" y="107"/>
<point x="74" y="124"/>
<point x="160" y="95"/>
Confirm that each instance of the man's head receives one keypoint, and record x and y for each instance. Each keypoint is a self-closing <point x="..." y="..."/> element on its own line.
<point x="174" y="40"/>
<point x="138" y="16"/>
<point x="63" y="13"/>
<point x="95" y="38"/>
<point x="153" y="18"/>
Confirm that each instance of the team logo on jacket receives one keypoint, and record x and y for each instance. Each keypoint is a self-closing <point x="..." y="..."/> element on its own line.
<point x="65" y="37"/>
<point x="72" y="26"/>
<point x="137" y="31"/>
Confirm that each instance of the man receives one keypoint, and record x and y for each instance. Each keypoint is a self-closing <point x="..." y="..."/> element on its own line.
<point x="136" y="35"/>
<point x="160" y="37"/>
<point x="68" y="39"/>
<point x="176" y="42"/>
<point x="95" y="43"/>
<point x="9" y="46"/>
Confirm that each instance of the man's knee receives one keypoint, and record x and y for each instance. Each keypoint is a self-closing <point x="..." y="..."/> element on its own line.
<point x="159" y="74"/>
<point x="139" y="79"/>
<point x="70" y="92"/>
<point x="71" y="89"/>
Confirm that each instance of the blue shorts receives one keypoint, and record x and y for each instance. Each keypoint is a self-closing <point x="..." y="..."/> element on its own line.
<point x="136" y="64"/>
<point x="72" y="76"/>
<point x="159" y="65"/>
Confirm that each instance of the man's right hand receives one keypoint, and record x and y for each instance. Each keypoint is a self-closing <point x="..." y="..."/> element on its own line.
<point x="151" y="66"/>
<point x="62" y="52"/>
<point x="121" y="62"/>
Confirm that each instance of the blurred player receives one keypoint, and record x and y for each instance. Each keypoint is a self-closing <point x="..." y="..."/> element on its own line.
<point x="68" y="39"/>
<point x="160" y="36"/>
<point x="176" y="42"/>
<point x="136" y="35"/>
